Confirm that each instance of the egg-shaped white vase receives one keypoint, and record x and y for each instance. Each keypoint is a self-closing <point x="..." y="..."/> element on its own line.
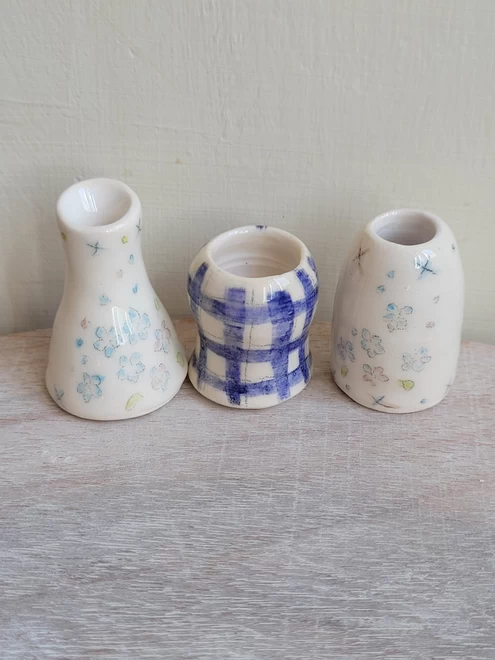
<point x="253" y="292"/>
<point x="114" y="352"/>
<point x="398" y="313"/>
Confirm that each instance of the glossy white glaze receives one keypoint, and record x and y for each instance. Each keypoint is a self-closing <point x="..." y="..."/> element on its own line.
<point x="253" y="292"/>
<point x="114" y="353"/>
<point x="398" y="311"/>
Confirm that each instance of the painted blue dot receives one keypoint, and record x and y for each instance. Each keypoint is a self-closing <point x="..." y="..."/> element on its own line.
<point x="391" y="274"/>
<point x="135" y="288"/>
<point x="131" y="259"/>
<point x="79" y="342"/>
<point x="381" y="289"/>
<point x="84" y="359"/>
<point x="423" y="401"/>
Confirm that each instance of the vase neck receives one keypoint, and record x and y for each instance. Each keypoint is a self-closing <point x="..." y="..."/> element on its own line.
<point x="100" y="224"/>
<point x="99" y="255"/>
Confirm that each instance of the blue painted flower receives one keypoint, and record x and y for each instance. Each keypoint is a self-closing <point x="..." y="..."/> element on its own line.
<point x="136" y="326"/>
<point x="380" y="401"/>
<point x="346" y="350"/>
<point x="59" y="393"/>
<point x="372" y="344"/>
<point x="96" y="247"/>
<point x="90" y="387"/>
<point x="374" y="375"/>
<point x="417" y="361"/>
<point x="130" y="368"/>
<point x="423" y="262"/>
<point x="159" y="377"/>
<point x="163" y="336"/>
<point x="108" y="340"/>
<point x="79" y="342"/>
<point x="396" y="318"/>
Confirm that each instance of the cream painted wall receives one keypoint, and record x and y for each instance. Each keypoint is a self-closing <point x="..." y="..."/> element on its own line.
<point x="311" y="115"/>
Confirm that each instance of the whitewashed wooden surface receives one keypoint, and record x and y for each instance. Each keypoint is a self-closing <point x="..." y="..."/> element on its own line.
<point x="314" y="530"/>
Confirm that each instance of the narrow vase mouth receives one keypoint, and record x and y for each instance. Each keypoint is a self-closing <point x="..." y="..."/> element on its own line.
<point x="99" y="205"/>
<point x="256" y="252"/>
<point x="406" y="227"/>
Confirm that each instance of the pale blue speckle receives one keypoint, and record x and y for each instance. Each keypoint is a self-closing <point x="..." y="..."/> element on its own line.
<point x="79" y="342"/>
<point x="135" y="288"/>
<point x="84" y="359"/>
<point x="104" y="299"/>
<point x="391" y="274"/>
<point x="131" y="259"/>
<point x="423" y="401"/>
<point x="381" y="288"/>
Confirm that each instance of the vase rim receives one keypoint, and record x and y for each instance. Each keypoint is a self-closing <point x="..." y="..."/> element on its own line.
<point x="406" y="227"/>
<point x="300" y="251"/>
<point x="77" y="203"/>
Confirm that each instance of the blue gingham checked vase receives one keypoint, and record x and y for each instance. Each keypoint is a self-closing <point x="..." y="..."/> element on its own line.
<point x="253" y="293"/>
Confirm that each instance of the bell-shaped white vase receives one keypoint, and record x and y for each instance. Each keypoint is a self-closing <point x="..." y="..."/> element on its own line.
<point x="398" y="313"/>
<point x="114" y="352"/>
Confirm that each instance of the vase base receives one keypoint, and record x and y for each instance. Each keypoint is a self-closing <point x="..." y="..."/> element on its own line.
<point x="115" y="418"/>
<point x="384" y="407"/>
<point x="246" y="403"/>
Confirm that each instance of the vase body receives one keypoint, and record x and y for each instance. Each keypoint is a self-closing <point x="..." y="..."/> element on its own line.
<point x="253" y="292"/>
<point x="114" y="352"/>
<point x="398" y="313"/>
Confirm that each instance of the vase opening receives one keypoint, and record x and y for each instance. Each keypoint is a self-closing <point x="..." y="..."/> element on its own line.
<point x="254" y="253"/>
<point x="405" y="227"/>
<point x="94" y="203"/>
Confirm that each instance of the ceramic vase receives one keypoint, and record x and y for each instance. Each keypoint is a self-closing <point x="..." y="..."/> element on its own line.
<point x="114" y="353"/>
<point x="253" y="292"/>
<point x="398" y="312"/>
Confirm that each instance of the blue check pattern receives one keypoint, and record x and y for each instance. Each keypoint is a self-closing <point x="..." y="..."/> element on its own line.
<point x="235" y="314"/>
